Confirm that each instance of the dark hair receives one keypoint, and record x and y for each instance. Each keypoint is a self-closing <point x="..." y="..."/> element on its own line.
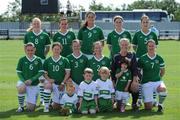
<point x="144" y="16"/>
<point x="57" y="44"/>
<point x="86" y="15"/>
<point x="125" y="61"/>
<point x="118" y="17"/>
<point x="63" y="18"/>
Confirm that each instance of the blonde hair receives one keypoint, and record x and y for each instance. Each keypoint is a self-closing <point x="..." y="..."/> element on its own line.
<point x="31" y="26"/>
<point x="69" y="85"/>
<point x="88" y="70"/>
<point x="126" y="40"/>
<point x="104" y="69"/>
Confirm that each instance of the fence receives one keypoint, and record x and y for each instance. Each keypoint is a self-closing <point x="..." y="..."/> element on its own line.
<point x="13" y="30"/>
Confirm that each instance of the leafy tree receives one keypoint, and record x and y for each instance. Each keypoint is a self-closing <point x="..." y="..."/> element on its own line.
<point x="99" y="7"/>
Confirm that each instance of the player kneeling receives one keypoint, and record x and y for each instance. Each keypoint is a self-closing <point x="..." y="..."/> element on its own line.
<point x="57" y="72"/>
<point x="69" y="100"/>
<point x="88" y="94"/>
<point x="29" y="69"/>
<point x="105" y="91"/>
<point x="153" y="67"/>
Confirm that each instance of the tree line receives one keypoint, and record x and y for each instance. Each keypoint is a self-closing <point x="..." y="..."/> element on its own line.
<point x="13" y="12"/>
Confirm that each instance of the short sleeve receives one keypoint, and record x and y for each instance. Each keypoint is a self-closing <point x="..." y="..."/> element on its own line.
<point x="80" y="90"/>
<point x="101" y="35"/>
<point x="109" y="39"/>
<point x="48" y="41"/>
<point x="19" y="66"/>
<point x="134" y="41"/>
<point x="80" y="34"/>
<point x="62" y="100"/>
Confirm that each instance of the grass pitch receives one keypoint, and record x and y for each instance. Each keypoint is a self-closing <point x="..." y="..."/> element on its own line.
<point x="11" y="51"/>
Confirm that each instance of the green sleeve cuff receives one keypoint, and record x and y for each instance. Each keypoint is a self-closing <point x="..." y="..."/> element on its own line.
<point x="36" y="76"/>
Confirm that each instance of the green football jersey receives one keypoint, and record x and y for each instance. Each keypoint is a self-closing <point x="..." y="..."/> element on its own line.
<point x="151" y="68"/>
<point x="113" y="40"/>
<point x="29" y="69"/>
<point x="96" y="64"/>
<point x="122" y="81"/>
<point x="140" y="40"/>
<point x="66" y="40"/>
<point x="88" y="37"/>
<point x="56" y="69"/>
<point x="40" y="41"/>
<point x="77" y="65"/>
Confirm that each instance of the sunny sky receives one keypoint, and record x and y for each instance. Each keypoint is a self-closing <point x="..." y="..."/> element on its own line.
<point x="84" y="3"/>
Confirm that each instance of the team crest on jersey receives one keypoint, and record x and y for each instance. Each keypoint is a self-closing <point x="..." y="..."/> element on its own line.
<point x="124" y="36"/>
<point x="114" y="36"/>
<point x="59" y="38"/>
<point x="94" y="31"/>
<point x="150" y="37"/>
<point x="36" y="62"/>
<point x="60" y="62"/>
<point x="68" y="36"/>
<point x="81" y="60"/>
<point x="124" y="77"/>
<point x="127" y="74"/>
<point x="103" y="62"/>
<point x="157" y="61"/>
<point x="41" y="37"/>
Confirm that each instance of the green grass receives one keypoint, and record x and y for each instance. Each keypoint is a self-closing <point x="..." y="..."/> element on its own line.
<point x="10" y="51"/>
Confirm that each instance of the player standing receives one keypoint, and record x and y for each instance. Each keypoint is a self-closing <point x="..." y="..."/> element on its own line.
<point x="139" y="42"/>
<point x="65" y="37"/>
<point x="89" y="34"/>
<point x="118" y="33"/>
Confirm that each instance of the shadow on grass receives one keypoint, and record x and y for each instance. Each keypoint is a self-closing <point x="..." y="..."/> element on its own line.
<point x="115" y="114"/>
<point x="108" y="115"/>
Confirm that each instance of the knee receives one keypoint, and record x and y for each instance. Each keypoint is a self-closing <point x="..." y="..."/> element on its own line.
<point x="56" y="106"/>
<point x="161" y="89"/>
<point x="84" y="112"/>
<point x="31" y="107"/>
<point x="21" y="89"/>
<point x="92" y="111"/>
<point x="148" y="106"/>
